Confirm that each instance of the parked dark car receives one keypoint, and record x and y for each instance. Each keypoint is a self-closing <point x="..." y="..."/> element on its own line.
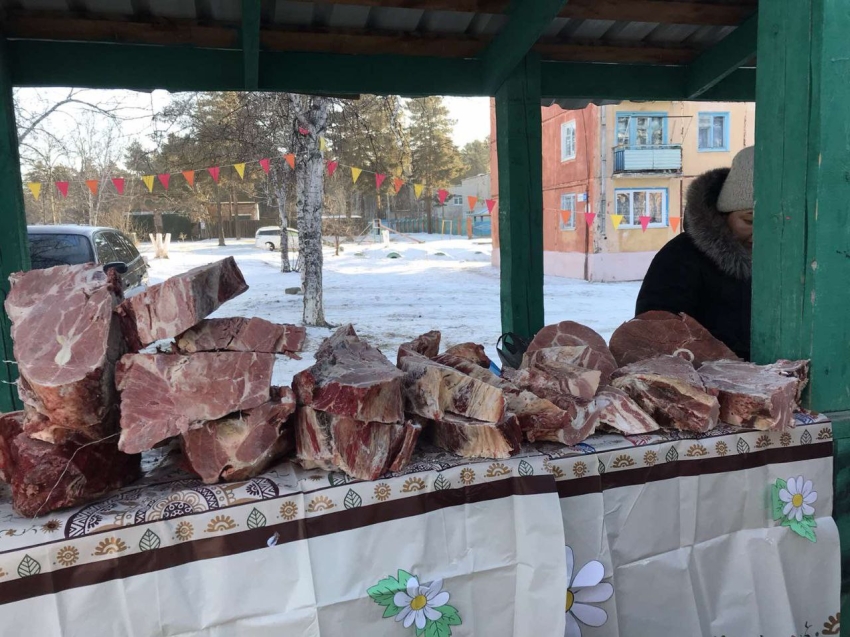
<point x="72" y="245"/>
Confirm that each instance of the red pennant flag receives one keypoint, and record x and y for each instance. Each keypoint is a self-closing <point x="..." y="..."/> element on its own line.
<point x="119" y="184"/>
<point x="190" y="177"/>
<point x="565" y="217"/>
<point x="332" y="168"/>
<point x="214" y="172"/>
<point x="644" y="222"/>
<point x="441" y="195"/>
<point x="63" y="187"/>
<point x="472" y="201"/>
<point x="164" y="178"/>
<point x="92" y="184"/>
<point x="303" y="130"/>
<point x="290" y="159"/>
<point x="674" y="223"/>
<point x="379" y="179"/>
<point x="589" y="217"/>
<point x="266" y="164"/>
<point x="397" y="184"/>
<point x="491" y="203"/>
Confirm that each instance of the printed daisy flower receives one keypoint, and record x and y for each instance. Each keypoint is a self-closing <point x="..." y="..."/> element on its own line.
<point x="587" y="588"/>
<point x="798" y="497"/>
<point x="420" y="603"/>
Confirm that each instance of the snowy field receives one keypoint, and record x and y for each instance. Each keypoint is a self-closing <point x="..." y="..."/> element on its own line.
<point x="443" y="284"/>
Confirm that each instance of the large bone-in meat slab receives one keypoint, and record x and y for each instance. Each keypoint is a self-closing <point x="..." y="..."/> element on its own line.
<point x="565" y="382"/>
<point x="172" y="307"/>
<point x="669" y="389"/>
<point x="163" y="395"/>
<point x="572" y="334"/>
<point x="66" y="342"/>
<point x="470" y="438"/>
<point x="242" y="445"/>
<point x="752" y="395"/>
<point x="240" y="334"/>
<point x="612" y="409"/>
<point x="661" y="333"/>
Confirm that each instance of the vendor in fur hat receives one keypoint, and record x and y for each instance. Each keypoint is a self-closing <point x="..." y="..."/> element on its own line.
<point x="706" y="272"/>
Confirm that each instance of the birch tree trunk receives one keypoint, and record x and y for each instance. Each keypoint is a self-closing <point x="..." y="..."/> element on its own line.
<point x="220" y="218"/>
<point x="311" y="114"/>
<point x="279" y="189"/>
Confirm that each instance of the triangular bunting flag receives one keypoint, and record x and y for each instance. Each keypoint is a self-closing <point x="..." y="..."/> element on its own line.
<point x="189" y="175"/>
<point x="303" y="130"/>
<point x="397" y="184"/>
<point x="35" y="189"/>
<point x="92" y="184"/>
<point x="148" y="179"/>
<point x="442" y="194"/>
<point x="164" y="179"/>
<point x="355" y="174"/>
<point x="565" y="217"/>
<point x="240" y="170"/>
<point x="290" y="159"/>
<point x="417" y="190"/>
<point x="118" y="182"/>
<point x="491" y="203"/>
<point x="332" y="168"/>
<point x="472" y="201"/>
<point x="674" y="223"/>
<point x="214" y="173"/>
<point x="644" y="221"/>
<point x="323" y="145"/>
<point x="63" y="187"/>
<point x="616" y="220"/>
<point x="266" y="164"/>
<point x="379" y="179"/>
<point x="589" y="218"/>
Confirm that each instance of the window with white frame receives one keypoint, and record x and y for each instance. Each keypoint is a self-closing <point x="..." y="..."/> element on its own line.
<point x="567" y="213"/>
<point x="650" y="202"/>
<point x="457" y="200"/>
<point x="641" y="129"/>
<point x="568" y="140"/>
<point x="713" y="132"/>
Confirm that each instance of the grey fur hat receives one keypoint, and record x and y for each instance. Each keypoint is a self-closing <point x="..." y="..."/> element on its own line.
<point x="737" y="192"/>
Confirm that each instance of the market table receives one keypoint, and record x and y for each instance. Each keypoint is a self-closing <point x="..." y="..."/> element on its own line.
<point x="663" y="534"/>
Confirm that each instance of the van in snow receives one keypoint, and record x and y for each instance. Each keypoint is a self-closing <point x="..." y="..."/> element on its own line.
<point x="268" y="238"/>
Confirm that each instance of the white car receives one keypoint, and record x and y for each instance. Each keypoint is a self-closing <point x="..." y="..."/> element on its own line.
<point x="268" y="238"/>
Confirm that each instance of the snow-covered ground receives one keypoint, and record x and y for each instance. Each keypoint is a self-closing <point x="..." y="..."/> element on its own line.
<point x="443" y="284"/>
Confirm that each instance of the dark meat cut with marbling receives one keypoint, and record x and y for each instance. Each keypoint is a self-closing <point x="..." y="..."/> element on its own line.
<point x="470" y="438"/>
<point x="241" y="334"/>
<point x="11" y="425"/>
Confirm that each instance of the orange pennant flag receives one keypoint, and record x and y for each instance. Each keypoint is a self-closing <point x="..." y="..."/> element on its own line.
<point x="472" y="201"/>
<point x="92" y="184"/>
<point x="674" y="223"/>
<point x="148" y="179"/>
<point x="290" y="159"/>
<point x="397" y="184"/>
<point x="616" y="220"/>
<point x="417" y="190"/>
<point x="189" y="175"/>
<point x="240" y="169"/>
<point x="565" y="217"/>
<point x="35" y="189"/>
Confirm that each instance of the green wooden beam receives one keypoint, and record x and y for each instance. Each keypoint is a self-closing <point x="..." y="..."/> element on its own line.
<point x="520" y="146"/>
<point x="251" y="43"/>
<point x="527" y="20"/>
<point x="14" y="250"/>
<point x="723" y="59"/>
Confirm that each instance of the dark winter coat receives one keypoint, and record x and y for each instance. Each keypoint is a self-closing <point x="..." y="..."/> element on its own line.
<point x="704" y="272"/>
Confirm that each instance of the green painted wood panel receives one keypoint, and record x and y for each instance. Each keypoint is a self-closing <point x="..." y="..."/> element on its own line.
<point x="724" y="58"/>
<point x="251" y="43"/>
<point x="14" y="251"/>
<point x="520" y="152"/>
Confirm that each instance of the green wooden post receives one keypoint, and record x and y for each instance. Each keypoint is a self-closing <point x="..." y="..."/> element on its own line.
<point x="14" y="252"/>
<point x="518" y="136"/>
<point x="802" y="221"/>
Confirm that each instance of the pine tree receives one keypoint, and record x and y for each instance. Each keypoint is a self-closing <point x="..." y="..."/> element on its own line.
<point x="476" y="157"/>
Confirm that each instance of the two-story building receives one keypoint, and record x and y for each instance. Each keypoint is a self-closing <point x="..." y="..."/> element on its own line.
<point x="632" y="160"/>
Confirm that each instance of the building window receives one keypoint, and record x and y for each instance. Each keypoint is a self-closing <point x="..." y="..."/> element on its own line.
<point x="713" y="132"/>
<point x="641" y="129"/>
<point x="567" y="213"/>
<point x="633" y="204"/>
<point x="568" y="140"/>
<point x="457" y="200"/>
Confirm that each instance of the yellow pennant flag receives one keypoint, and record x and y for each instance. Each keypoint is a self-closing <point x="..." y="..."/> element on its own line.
<point x="355" y="173"/>
<point x="35" y="189"/>
<point x="240" y="168"/>
<point x="616" y="220"/>
<point x="148" y="179"/>
<point x="323" y="145"/>
<point x="417" y="190"/>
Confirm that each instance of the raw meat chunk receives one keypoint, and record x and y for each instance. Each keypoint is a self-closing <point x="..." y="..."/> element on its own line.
<point x="11" y="425"/>
<point x="427" y="345"/>
<point x="613" y="409"/>
<point x="476" y="439"/>
<point x="470" y="351"/>
<point x="571" y="334"/>
<point x="240" y="334"/>
<point x="564" y="383"/>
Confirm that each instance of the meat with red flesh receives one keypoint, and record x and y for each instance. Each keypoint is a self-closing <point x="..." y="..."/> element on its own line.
<point x="163" y="395"/>
<point x="614" y="410"/>
<point x="470" y="438"/>
<point x="313" y="443"/>
<point x="751" y="395"/>
<point x="571" y="334"/>
<point x="554" y="384"/>
<point x="431" y="390"/>
<point x="242" y="445"/>
<point x="240" y="334"/>
<point x="427" y="345"/>
<point x="66" y="342"/>
<point x="470" y="351"/>
<point x="657" y="333"/>
<point x="669" y="389"/>
<point x="11" y="425"/>
<point x="412" y="431"/>
<point x="172" y="307"/>
<point x="48" y="477"/>
<point x="353" y="379"/>
<point x="328" y="345"/>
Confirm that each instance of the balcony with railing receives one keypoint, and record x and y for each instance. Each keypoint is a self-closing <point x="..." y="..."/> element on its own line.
<point x="649" y="160"/>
